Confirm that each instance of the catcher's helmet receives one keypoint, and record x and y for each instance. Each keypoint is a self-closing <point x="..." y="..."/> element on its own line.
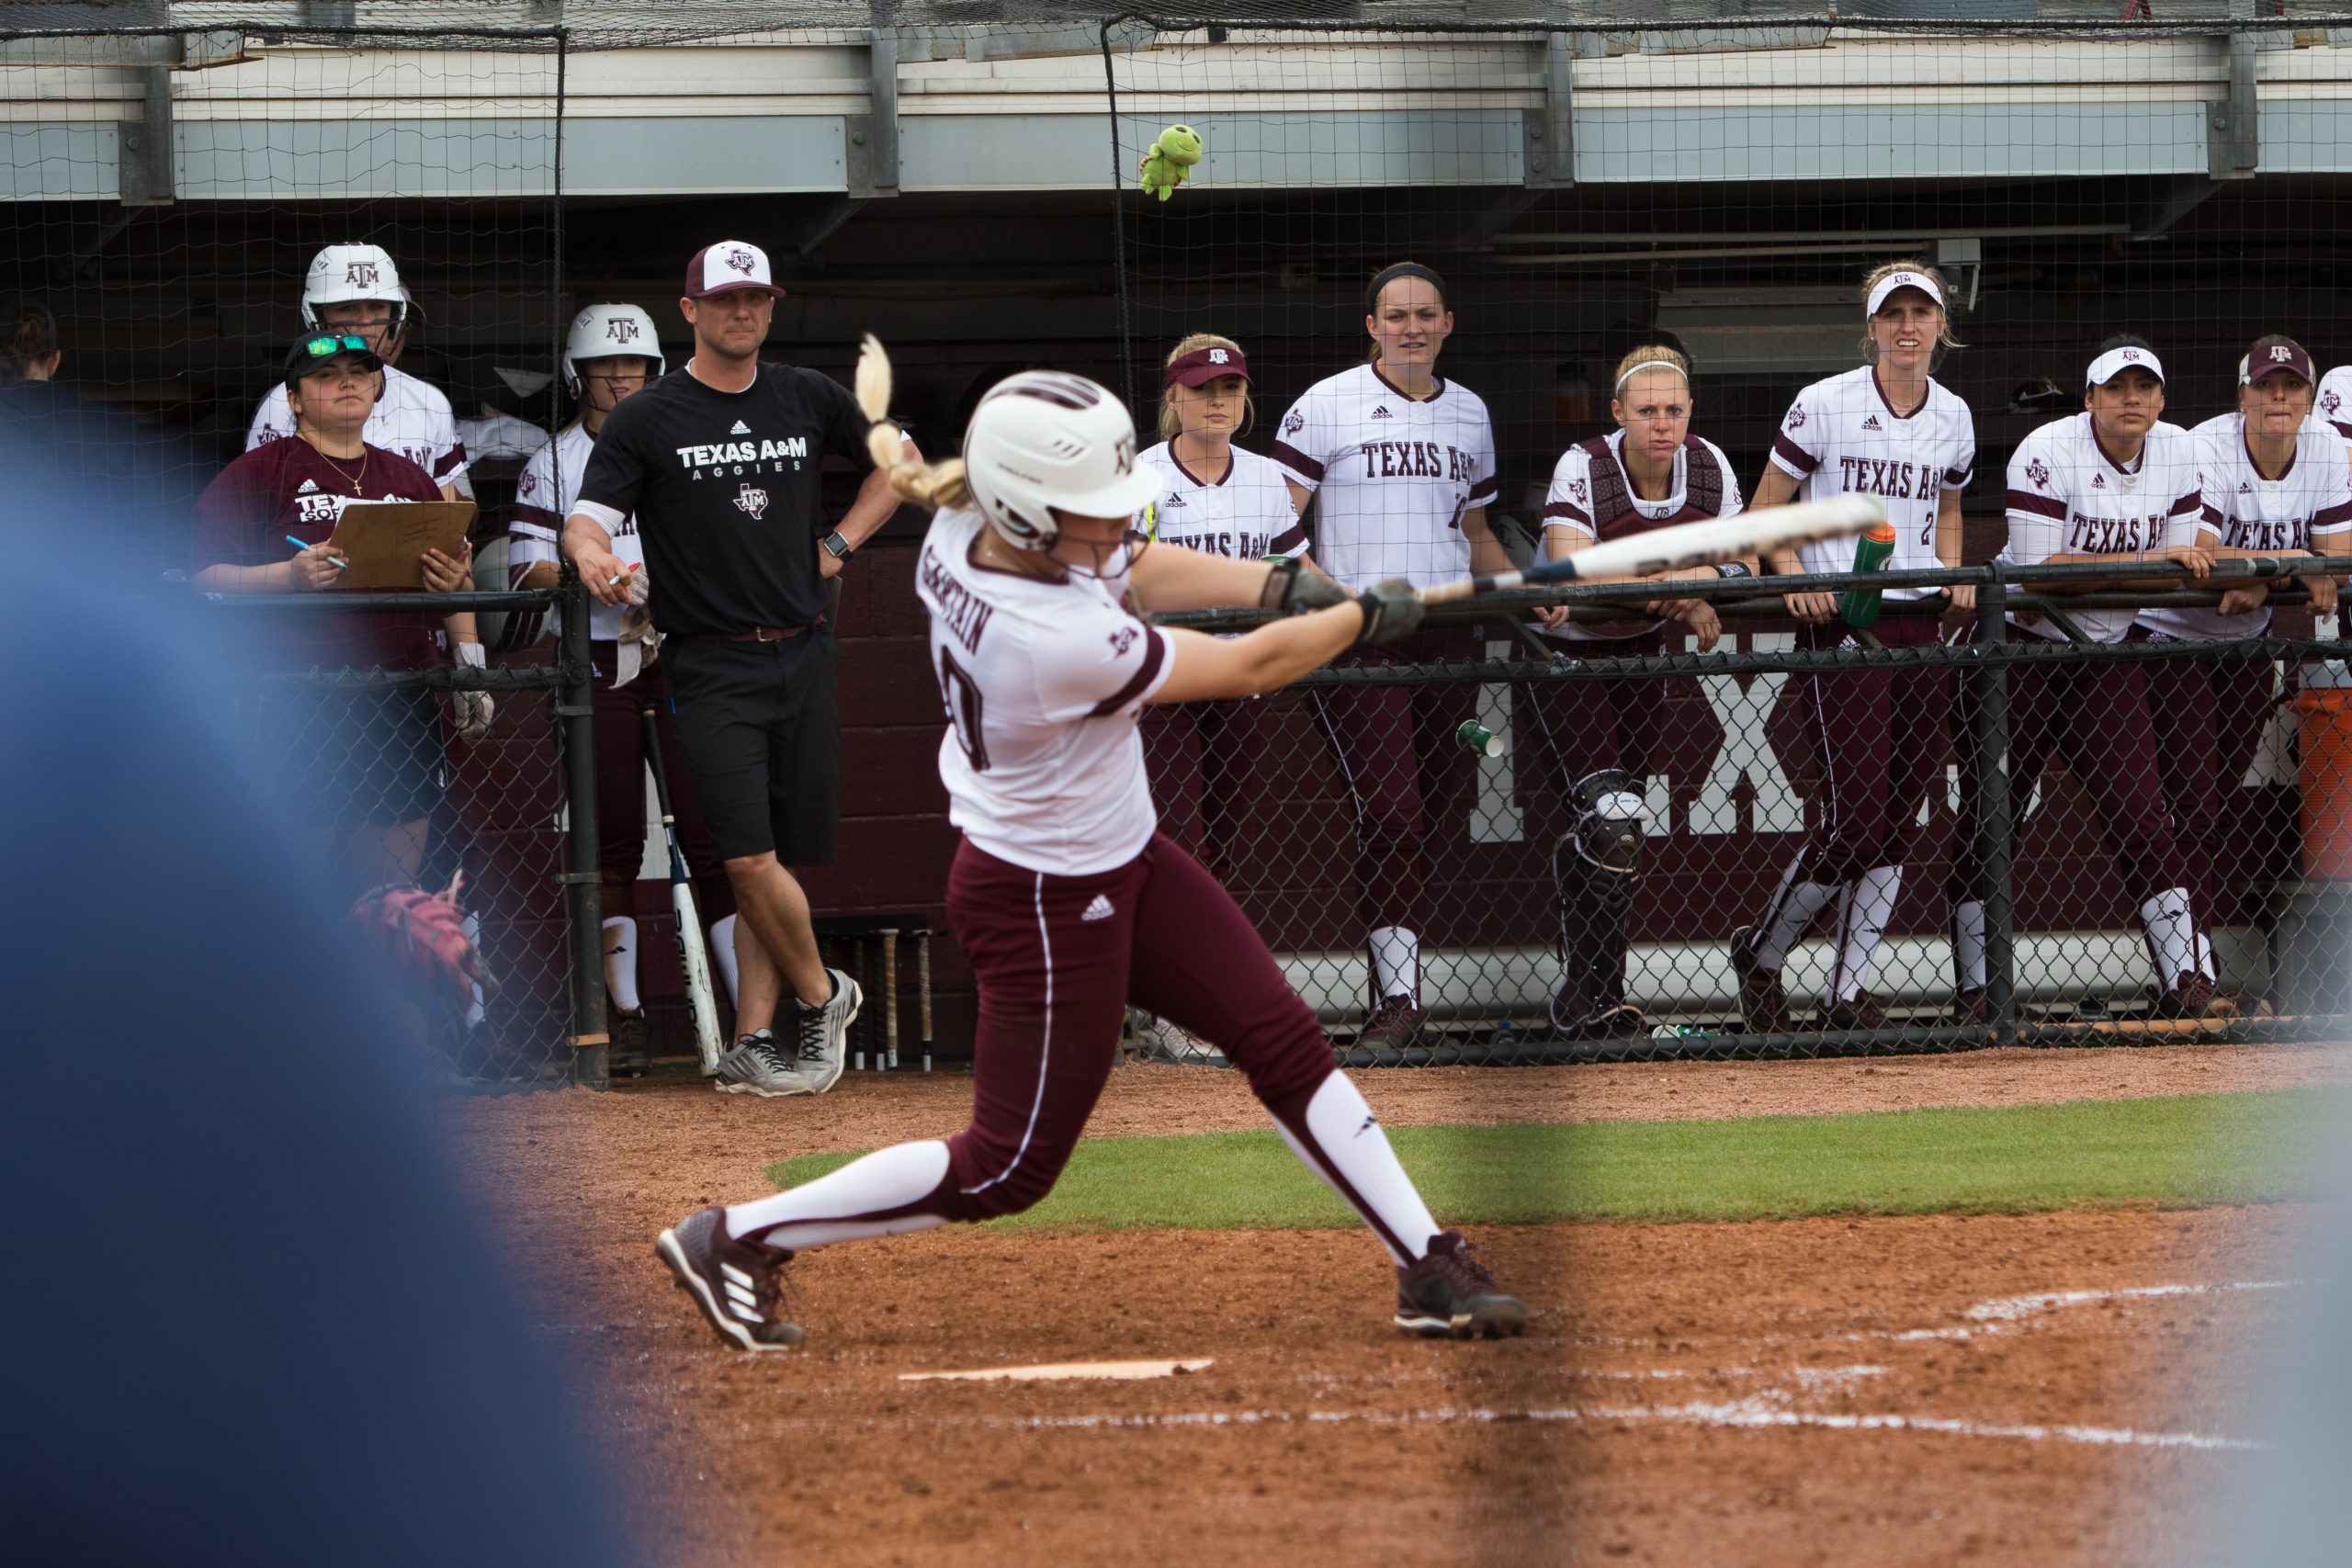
<point x="1043" y="439"/>
<point x="343" y="273"/>
<point x="609" y="332"/>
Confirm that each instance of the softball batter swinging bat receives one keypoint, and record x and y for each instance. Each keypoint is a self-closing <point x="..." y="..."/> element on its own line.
<point x="1684" y="545"/>
<point x="692" y="955"/>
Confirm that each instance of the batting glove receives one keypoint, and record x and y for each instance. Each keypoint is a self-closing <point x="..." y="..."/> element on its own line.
<point x="1392" y="609"/>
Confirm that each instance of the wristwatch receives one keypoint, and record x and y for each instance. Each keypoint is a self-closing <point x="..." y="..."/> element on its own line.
<point x="836" y="547"/>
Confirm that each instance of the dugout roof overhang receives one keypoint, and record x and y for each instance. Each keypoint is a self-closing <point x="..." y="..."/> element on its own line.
<point x="818" y="111"/>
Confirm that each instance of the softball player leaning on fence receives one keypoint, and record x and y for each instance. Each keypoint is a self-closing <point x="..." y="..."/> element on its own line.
<point x="2113" y="485"/>
<point x="1603" y="737"/>
<point x="2276" y="482"/>
<point x="611" y="352"/>
<point x="1888" y="429"/>
<point x="1065" y="898"/>
<point x="1400" y="463"/>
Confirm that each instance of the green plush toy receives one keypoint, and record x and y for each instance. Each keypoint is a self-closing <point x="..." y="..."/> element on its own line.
<point x="1170" y="162"/>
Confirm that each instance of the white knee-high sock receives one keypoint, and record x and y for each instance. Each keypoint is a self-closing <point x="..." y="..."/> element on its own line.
<point x="1343" y="1144"/>
<point x="2205" y="956"/>
<point x="864" y="1199"/>
<point x="722" y="954"/>
<point x="620" y="963"/>
<point x="1395" y="961"/>
<point x="2172" y="936"/>
<point x="1794" y="906"/>
<point x="1865" y="909"/>
<point x="1968" y="944"/>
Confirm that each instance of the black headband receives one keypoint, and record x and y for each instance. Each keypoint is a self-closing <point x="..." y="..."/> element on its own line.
<point x="1391" y="274"/>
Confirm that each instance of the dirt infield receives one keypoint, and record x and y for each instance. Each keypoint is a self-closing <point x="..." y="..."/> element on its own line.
<point x="2047" y="1390"/>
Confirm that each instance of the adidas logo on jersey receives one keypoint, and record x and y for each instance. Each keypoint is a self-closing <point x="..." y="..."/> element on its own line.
<point x="1174" y="501"/>
<point x="741" y="429"/>
<point x="2099" y="482"/>
<point x="1871" y="422"/>
<point x="1379" y="410"/>
<point x="310" y="487"/>
<point x="1099" y="910"/>
<point x="2245" y="488"/>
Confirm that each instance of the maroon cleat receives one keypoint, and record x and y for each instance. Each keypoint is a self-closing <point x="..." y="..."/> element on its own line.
<point x="2196" y="997"/>
<point x="1394" y="1025"/>
<point x="738" y="1284"/>
<point x="1969" y="1009"/>
<point x="1451" y="1294"/>
<point x="1763" y="1006"/>
<point x="1858" y="1011"/>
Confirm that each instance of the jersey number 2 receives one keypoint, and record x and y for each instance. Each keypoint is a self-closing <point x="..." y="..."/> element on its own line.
<point x="963" y="699"/>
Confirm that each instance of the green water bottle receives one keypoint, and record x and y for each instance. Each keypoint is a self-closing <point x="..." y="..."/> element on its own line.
<point x="1859" y="606"/>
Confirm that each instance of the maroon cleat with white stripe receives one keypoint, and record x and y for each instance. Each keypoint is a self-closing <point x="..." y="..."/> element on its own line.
<point x="738" y="1284"/>
<point x="1451" y="1294"/>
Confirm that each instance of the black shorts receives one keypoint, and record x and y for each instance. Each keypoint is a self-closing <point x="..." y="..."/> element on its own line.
<point x="762" y="732"/>
<point x="337" y="757"/>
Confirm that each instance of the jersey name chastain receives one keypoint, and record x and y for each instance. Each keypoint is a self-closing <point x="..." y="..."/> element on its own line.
<point x="742" y="452"/>
<point x="966" y="614"/>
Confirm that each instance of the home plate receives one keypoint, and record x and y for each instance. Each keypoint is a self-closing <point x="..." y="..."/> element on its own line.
<point x="1129" y="1370"/>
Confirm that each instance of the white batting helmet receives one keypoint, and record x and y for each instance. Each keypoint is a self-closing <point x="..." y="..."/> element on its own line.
<point x="607" y="331"/>
<point x="1043" y="439"/>
<point x="343" y="273"/>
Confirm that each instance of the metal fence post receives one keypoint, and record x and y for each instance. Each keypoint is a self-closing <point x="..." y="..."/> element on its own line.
<point x="575" y="713"/>
<point x="1990" y="735"/>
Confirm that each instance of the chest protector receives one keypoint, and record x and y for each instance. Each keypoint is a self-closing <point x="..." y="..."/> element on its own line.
<point x="1614" y="513"/>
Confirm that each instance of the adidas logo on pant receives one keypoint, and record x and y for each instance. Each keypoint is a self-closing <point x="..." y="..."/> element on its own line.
<point x="1098" y="910"/>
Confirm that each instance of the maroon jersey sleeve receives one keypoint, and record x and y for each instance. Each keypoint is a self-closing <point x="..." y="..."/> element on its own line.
<point x="234" y="514"/>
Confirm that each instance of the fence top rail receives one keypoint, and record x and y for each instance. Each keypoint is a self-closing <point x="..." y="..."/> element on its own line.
<point x="332" y="604"/>
<point x="1749" y="595"/>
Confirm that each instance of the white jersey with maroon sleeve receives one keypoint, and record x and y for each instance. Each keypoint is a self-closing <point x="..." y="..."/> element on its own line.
<point x="543" y="498"/>
<point x="1593" y="496"/>
<point x="1391" y="476"/>
<point x="2333" y="401"/>
<point x="1842" y="437"/>
<point x="411" y="418"/>
<point x="2309" y="507"/>
<point x="1245" y="515"/>
<point x="1043" y="682"/>
<point x="2069" y="497"/>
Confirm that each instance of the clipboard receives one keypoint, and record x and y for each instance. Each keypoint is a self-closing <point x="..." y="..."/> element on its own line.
<point x="383" y="540"/>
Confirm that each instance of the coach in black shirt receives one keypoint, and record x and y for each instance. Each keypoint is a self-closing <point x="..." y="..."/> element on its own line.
<point x="720" y="463"/>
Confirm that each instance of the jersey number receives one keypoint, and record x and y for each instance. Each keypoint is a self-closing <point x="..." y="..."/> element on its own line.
<point x="962" y="696"/>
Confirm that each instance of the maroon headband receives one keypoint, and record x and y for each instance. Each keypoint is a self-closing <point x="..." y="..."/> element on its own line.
<point x="1203" y="365"/>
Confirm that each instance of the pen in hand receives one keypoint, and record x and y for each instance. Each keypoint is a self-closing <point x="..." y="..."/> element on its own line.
<point x="339" y="564"/>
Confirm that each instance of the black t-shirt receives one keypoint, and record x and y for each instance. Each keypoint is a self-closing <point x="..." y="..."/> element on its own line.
<point x="728" y="493"/>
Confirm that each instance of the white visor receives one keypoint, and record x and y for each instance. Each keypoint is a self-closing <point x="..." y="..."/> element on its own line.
<point x="2116" y="361"/>
<point x="1923" y="282"/>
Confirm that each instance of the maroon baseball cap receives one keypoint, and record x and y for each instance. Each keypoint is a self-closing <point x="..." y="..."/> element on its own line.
<point x="2271" y="354"/>
<point x="1203" y="365"/>
<point x="727" y="266"/>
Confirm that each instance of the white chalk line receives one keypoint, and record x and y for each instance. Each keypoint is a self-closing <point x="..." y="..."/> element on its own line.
<point x="1744" y="1415"/>
<point x="2010" y="1309"/>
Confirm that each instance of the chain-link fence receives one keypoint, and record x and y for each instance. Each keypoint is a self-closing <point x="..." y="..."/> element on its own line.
<point x="403" y="776"/>
<point x="960" y="177"/>
<point x="1791" y="845"/>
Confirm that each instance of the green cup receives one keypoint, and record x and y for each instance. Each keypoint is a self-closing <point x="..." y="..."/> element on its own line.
<point x="1481" y="739"/>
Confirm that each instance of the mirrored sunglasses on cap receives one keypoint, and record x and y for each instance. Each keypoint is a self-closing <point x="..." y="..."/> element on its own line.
<point x="327" y="345"/>
<point x="1205" y="364"/>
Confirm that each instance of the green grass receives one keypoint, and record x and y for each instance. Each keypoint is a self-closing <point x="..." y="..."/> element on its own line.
<point x="2170" y="1152"/>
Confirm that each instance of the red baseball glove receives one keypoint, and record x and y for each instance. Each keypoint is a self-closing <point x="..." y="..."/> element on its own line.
<point x="422" y="938"/>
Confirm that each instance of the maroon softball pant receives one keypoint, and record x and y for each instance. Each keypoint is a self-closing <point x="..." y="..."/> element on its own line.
<point x="1059" y="959"/>
<point x="1196" y="754"/>
<point x="2092" y="717"/>
<point x="1878" y="740"/>
<point x="1395" y="749"/>
<point x="2209" y="715"/>
<point x="1588" y="725"/>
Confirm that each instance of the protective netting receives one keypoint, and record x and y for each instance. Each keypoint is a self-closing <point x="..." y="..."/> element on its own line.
<point x="383" y="781"/>
<point x="960" y="179"/>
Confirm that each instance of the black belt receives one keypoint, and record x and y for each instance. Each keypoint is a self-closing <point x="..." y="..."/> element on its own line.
<point x="757" y="634"/>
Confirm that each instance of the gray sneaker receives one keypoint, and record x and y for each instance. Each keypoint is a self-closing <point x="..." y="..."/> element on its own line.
<point x="824" y="1034"/>
<point x="758" y="1065"/>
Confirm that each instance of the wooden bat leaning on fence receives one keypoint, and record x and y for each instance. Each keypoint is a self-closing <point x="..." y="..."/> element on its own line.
<point x="1684" y="545"/>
